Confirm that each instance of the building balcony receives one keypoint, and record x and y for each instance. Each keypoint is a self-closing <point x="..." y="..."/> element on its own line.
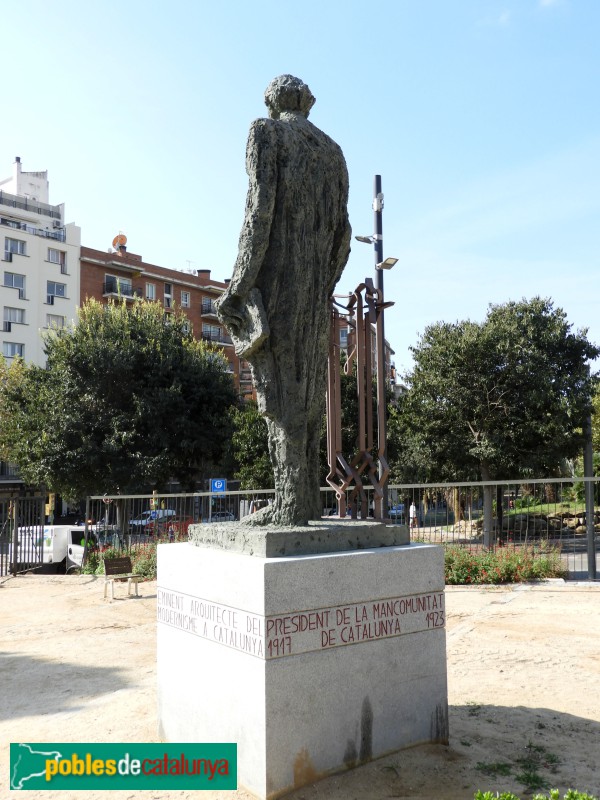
<point x="209" y="308"/>
<point x="220" y="338"/>
<point x="113" y="288"/>
<point x="24" y="203"/>
<point x="56" y="234"/>
<point x="8" y="471"/>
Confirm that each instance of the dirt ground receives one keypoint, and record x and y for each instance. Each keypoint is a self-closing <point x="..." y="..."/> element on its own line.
<point x="523" y="672"/>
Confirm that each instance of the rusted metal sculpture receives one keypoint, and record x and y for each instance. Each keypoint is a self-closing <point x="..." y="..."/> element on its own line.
<point x="363" y="310"/>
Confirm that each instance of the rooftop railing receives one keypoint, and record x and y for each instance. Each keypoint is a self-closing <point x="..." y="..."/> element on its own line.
<point x="26" y="204"/>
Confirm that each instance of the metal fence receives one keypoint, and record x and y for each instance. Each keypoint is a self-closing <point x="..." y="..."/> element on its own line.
<point x="17" y="201"/>
<point x="538" y="514"/>
<point x="541" y="515"/>
<point x="21" y="534"/>
<point x="125" y="521"/>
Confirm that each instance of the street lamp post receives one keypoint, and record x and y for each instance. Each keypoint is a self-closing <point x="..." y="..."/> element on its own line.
<point x="377" y="241"/>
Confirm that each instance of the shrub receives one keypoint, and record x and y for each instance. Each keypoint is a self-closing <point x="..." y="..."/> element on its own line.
<point x="94" y="564"/>
<point x="143" y="560"/>
<point x="503" y="565"/>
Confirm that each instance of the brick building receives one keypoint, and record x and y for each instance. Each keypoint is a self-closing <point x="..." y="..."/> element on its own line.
<point x="120" y="274"/>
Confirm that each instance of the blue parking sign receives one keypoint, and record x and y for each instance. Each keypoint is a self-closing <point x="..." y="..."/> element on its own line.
<point x="218" y="485"/>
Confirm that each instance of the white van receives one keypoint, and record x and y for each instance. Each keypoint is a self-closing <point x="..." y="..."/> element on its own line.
<point x="61" y="545"/>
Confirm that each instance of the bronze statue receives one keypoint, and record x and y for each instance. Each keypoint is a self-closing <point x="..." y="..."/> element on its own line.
<point x="293" y="246"/>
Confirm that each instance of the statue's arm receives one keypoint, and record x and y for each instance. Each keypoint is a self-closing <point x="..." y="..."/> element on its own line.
<point x="261" y="166"/>
<point x="342" y="236"/>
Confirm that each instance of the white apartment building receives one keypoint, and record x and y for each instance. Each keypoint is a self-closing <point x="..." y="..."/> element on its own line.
<point x="40" y="276"/>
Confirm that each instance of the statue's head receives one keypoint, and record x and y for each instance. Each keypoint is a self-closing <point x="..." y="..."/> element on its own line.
<point x="287" y="93"/>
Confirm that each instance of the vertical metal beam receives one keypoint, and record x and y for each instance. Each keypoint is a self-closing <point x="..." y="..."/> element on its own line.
<point x="380" y="343"/>
<point x="588" y="472"/>
<point x="13" y="517"/>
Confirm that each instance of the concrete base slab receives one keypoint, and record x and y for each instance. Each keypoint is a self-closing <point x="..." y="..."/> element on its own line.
<point x="312" y="664"/>
<point x="319" y="536"/>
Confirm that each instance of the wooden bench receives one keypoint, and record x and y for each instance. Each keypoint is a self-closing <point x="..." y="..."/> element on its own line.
<point x="119" y="569"/>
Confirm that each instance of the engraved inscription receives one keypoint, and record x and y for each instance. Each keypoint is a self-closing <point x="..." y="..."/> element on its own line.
<point x="325" y="628"/>
<point x="281" y="635"/>
<point x="225" y="625"/>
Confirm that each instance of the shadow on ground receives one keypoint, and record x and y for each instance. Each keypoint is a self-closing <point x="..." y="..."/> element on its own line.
<point x="521" y="750"/>
<point x="51" y="687"/>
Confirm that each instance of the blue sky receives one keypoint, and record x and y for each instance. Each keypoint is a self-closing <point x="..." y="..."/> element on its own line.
<point x="481" y="116"/>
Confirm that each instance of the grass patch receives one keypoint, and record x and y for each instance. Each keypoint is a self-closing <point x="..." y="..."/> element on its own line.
<point x="497" y="768"/>
<point x="554" y="794"/>
<point x="526" y="770"/>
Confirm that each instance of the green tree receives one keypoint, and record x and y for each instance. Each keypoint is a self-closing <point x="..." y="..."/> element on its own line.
<point x="128" y="401"/>
<point x="596" y="420"/>
<point x="498" y="400"/>
<point x="253" y="466"/>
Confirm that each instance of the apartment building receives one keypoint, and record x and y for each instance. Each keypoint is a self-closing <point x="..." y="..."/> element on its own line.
<point x="39" y="285"/>
<point x="40" y="264"/>
<point x="118" y="273"/>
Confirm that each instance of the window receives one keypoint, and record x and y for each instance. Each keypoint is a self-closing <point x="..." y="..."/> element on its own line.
<point x="16" y="315"/>
<point x="14" y="246"/>
<point x="150" y="291"/>
<point x="121" y="286"/>
<point x="343" y="338"/>
<point x="58" y="257"/>
<point x="55" y="290"/>
<point x="14" y="281"/>
<point x="12" y="349"/>
<point x="55" y="321"/>
<point x="185" y="326"/>
<point x="208" y="307"/>
<point x="212" y="332"/>
<point x="168" y="295"/>
<point x="185" y="299"/>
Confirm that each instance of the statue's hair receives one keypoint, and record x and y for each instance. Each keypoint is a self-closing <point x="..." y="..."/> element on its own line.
<point x="286" y="93"/>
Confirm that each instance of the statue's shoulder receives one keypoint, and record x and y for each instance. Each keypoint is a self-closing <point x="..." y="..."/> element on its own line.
<point x="263" y="128"/>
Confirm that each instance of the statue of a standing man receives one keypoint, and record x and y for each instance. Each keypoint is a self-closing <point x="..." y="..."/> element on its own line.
<point x="294" y="244"/>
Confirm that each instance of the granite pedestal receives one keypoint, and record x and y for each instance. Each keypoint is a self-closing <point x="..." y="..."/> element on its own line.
<point x="312" y="663"/>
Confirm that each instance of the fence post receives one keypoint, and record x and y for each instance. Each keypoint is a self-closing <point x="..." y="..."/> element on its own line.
<point x="13" y="516"/>
<point x="488" y="519"/>
<point x="588" y="472"/>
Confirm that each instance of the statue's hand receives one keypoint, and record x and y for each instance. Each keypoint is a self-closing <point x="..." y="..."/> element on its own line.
<point x="246" y="320"/>
<point x="231" y="312"/>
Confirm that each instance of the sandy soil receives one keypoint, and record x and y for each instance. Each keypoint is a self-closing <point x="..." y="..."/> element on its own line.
<point x="523" y="669"/>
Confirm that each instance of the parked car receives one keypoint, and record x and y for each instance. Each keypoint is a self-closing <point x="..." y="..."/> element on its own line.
<point x="397" y="511"/>
<point x="222" y="516"/>
<point x="169" y="526"/>
<point x="160" y="514"/>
